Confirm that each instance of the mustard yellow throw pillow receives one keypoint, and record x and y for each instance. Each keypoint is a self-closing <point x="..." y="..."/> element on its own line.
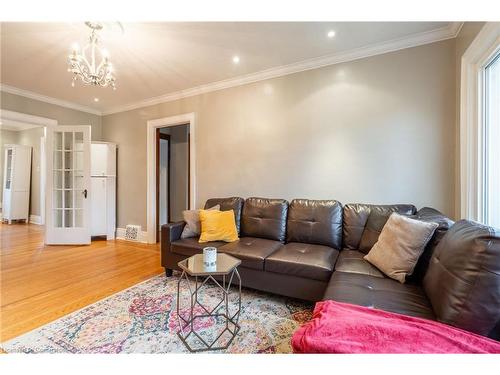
<point x="218" y="226"/>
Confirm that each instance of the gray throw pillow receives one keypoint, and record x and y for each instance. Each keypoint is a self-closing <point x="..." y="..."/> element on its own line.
<point x="192" y="219"/>
<point x="400" y="244"/>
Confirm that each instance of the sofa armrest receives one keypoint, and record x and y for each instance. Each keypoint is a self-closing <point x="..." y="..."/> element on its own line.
<point x="171" y="232"/>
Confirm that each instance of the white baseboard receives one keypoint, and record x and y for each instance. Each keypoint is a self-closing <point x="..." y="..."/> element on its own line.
<point x="120" y="235"/>
<point x="35" y="219"/>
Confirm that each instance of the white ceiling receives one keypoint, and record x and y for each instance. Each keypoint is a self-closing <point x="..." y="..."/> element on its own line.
<point x="155" y="59"/>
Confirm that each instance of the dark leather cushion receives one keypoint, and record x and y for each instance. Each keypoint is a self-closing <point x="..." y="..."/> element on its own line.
<point x="352" y="261"/>
<point x="226" y="204"/>
<point x="191" y="246"/>
<point x="264" y="218"/>
<point x="380" y="293"/>
<point x="429" y="214"/>
<point x="463" y="278"/>
<point x="315" y="222"/>
<point x="252" y="251"/>
<point x="374" y="225"/>
<point x="355" y="218"/>
<point x="303" y="260"/>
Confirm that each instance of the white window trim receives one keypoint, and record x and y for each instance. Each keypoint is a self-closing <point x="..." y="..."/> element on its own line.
<point x="474" y="60"/>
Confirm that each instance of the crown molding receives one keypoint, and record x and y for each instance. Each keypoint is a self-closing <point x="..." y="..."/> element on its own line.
<point x="448" y="32"/>
<point x="48" y="99"/>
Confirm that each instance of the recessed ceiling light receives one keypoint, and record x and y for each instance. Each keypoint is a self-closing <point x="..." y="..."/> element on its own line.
<point x="96" y="100"/>
<point x="236" y="59"/>
<point x="331" y="34"/>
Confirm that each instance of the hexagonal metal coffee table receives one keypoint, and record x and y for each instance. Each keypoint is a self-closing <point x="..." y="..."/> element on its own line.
<point x="225" y="269"/>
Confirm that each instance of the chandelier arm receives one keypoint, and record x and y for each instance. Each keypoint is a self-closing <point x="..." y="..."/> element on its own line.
<point x="84" y="65"/>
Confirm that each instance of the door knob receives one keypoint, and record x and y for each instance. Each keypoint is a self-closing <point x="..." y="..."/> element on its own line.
<point x="84" y="193"/>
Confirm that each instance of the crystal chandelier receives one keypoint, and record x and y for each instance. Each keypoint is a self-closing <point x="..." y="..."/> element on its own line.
<point x="92" y="64"/>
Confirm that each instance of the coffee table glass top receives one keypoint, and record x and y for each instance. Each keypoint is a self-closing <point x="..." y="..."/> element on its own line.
<point x="195" y="267"/>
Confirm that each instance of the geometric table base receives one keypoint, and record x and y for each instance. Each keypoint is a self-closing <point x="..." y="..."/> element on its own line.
<point x="229" y="321"/>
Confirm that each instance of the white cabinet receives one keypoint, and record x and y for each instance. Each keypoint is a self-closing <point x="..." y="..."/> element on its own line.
<point x="103" y="159"/>
<point x="103" y="189"/>
<point x="16" y="183"/>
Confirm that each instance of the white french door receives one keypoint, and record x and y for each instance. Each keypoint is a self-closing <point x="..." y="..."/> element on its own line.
<point x="67" y="215"/>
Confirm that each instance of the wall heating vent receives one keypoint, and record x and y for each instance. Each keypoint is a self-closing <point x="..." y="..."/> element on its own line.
<point x="132" y="232"/>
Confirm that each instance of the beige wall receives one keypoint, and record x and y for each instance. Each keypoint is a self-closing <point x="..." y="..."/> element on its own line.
<point x="64" y="116"/>
<point x="380" y="129"/>
<point x="6" y="137"/>
<point x="463" y="40"/>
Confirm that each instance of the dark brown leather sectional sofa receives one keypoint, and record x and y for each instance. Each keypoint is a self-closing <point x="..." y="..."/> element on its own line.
<point x="312" y="250"/>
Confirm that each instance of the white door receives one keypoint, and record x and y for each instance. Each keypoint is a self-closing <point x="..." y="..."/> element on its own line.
<point x="67" y="206"/>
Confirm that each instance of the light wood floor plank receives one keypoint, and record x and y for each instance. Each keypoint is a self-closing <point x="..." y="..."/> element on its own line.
<point x="39" y="283"/>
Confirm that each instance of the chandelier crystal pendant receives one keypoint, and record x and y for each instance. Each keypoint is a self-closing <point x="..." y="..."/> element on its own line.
<point x="92" y="64"/>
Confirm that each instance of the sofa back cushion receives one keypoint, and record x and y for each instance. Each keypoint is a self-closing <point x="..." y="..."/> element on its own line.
<point x="264" y="218"/>
<point x="429" y="214"/>
<point x="226" y="204"/>
<point x="463" y="278"/>
<point x="356" y="215"/>
<point x="315" y="222"/>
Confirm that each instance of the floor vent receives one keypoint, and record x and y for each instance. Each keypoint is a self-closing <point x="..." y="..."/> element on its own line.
<point x="132" y="232"/>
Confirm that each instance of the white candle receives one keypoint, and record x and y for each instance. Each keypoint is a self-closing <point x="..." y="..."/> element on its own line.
<point x="209" y="256"/>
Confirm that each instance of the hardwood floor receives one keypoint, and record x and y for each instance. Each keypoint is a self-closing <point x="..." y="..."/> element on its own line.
<point x="42" y="283"/>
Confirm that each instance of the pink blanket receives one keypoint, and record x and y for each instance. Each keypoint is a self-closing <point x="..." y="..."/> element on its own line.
<point x="344" y="328"/>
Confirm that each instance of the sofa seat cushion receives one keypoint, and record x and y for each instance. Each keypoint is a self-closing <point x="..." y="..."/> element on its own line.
<point x="380" y="293"/>
<point x="352" y="261"/>
<point x="252" y="251"/>
<point x="303" y="260"/>
<point x="191" y="246"/>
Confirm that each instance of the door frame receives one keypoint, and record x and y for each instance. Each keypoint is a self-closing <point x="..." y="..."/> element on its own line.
<point x="159" y="137"/>
<point x="44" y="122"/>
<point x="152" y="125"/>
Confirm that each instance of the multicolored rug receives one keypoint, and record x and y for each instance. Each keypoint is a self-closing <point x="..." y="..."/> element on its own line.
<point x="143" y="319"/>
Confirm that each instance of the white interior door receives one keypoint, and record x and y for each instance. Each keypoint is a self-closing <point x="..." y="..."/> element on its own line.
<point x="67" y="214"/>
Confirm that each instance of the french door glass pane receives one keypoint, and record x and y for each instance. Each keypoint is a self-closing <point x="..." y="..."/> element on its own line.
<point x="58" y="175"/>
<point x="79" y="161"/>
<point x="68" y="179"/>
<point x="78" y="199"/>
<point x="58" y="160"/>
<point x="57" y="141"/>
<point x="68" y="218"/>
<point x="68" y="199"/>
<point x="58" y="218"/>
<point x="492" y="143"/>
<point x="78" y="218"/>
<point x="68" y="140"/>
<point x="68" y="160"/>
<point x="78" y="180"/>
<point x="58" y="199"/>
<point x="78" y="141"/>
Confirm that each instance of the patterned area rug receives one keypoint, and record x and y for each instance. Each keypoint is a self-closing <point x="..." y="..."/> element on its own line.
<point x="143" y="319"/>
